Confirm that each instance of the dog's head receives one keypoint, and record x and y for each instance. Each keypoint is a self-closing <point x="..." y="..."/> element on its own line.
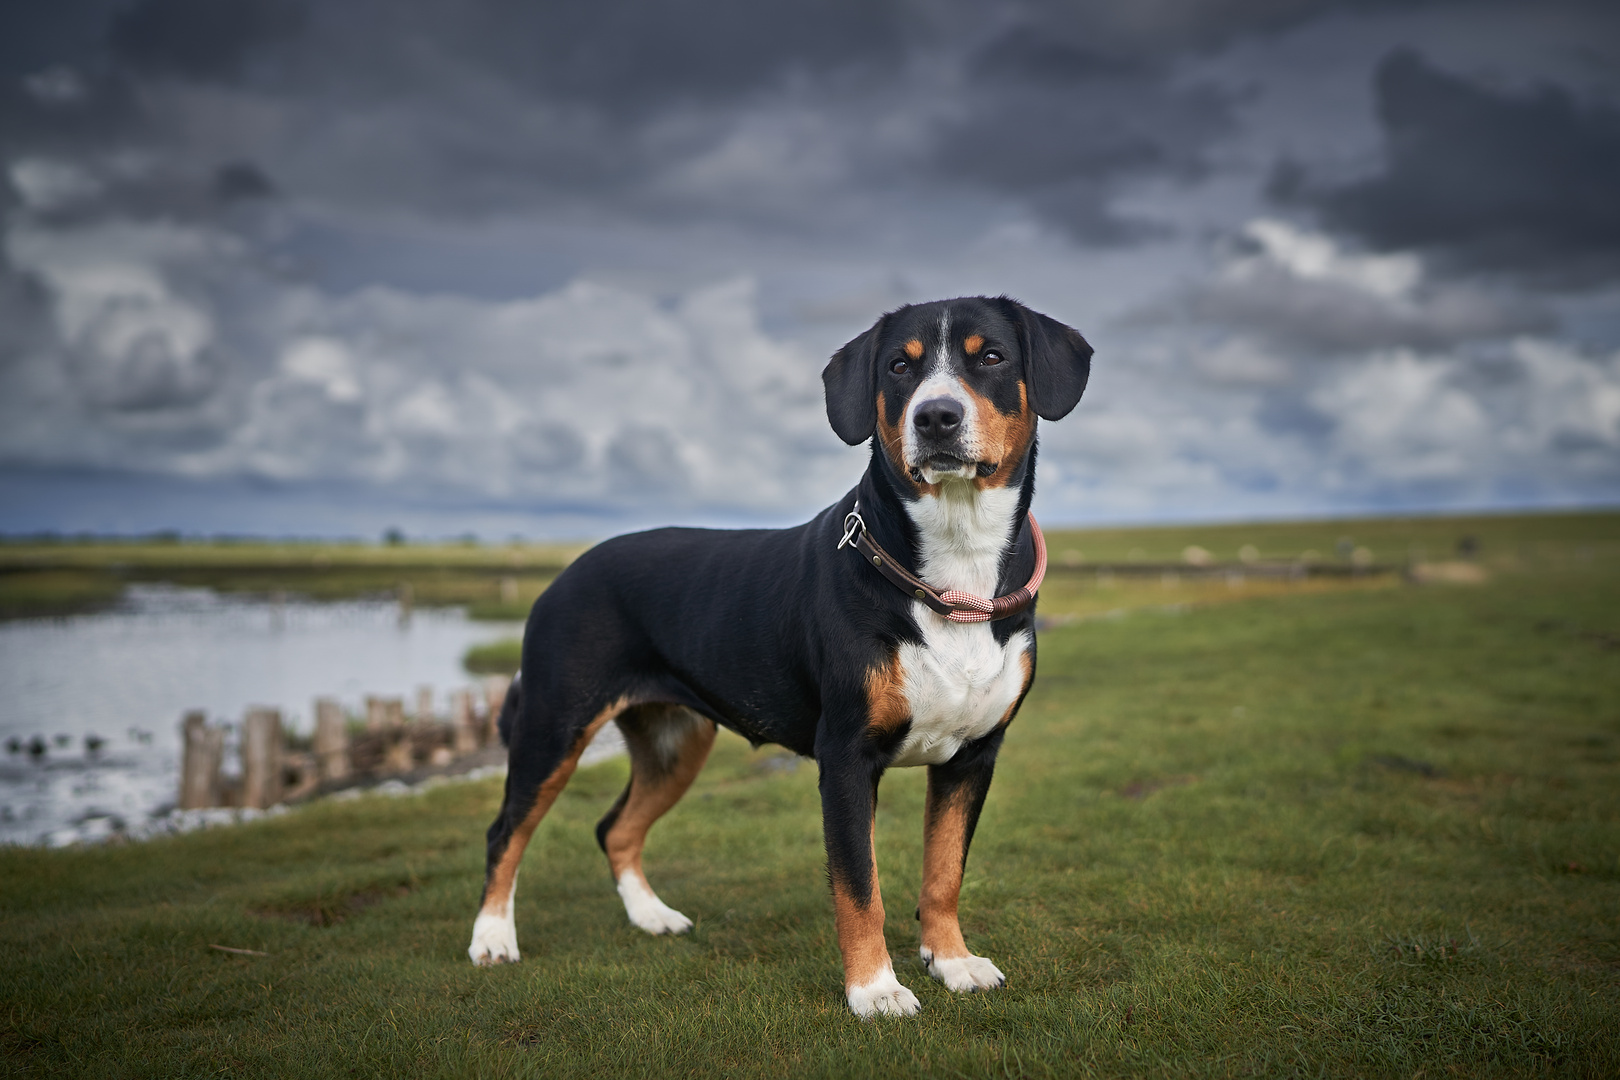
<point x="952" y="388"/>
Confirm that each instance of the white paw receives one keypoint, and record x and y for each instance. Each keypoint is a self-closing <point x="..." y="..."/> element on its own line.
<point x="883" y="995"/>
<point x="494" y="939"/>
<point x="646" y="910"/>
<point x="964" y="974"/>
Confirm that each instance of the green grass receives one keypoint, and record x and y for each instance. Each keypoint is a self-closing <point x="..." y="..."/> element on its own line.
<point x="500" y="581"/>
<point x="35" y="593"/>
<point x="287" y="555"/>
<point x="493" y="582"/>
<point x="1497" y="537"/>
<point x="501" y="657"/>
<point x="1337" y="832"/>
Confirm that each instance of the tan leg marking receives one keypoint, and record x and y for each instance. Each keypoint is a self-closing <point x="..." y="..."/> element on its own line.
<point x="944" y="845"/>
<point x="498" y="890"/>
<point x="869" y="983"/>
<point x="654" y="788"/>
<point x="860" y="929"/>
<point x="944" y="848"/>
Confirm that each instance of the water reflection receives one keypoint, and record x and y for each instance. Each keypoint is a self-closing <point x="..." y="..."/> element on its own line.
<point x="90" y="705"/>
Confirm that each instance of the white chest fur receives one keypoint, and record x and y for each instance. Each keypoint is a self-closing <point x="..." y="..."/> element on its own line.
<point x="959" y="681"/>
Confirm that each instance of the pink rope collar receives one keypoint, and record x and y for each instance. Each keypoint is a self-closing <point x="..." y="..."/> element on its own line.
<point x="959" y="607"/>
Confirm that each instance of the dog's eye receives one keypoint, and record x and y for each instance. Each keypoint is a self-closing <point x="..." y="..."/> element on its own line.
<point x="990" y="358"/>
<point x="899" y="367"/>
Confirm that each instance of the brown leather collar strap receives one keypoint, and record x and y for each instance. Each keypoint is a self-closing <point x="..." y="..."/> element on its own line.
<point x="956" y="606"/>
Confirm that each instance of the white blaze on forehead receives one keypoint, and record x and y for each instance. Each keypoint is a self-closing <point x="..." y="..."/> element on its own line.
<point x="942" y="381"/>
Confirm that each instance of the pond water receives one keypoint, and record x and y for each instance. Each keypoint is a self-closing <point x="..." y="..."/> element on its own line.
<point x="125" y="676"/>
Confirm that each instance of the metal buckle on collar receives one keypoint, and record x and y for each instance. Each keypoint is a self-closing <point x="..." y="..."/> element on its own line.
<point x="853" y="524"/>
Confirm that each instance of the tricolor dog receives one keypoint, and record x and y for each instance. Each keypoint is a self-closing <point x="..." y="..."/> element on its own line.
<point x="894" y="629"/>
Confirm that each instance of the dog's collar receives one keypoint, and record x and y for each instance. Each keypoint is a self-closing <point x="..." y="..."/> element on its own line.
<point x="956" y="606"/>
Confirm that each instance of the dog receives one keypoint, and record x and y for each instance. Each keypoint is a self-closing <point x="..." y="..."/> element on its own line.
<point x="866" y="638"/>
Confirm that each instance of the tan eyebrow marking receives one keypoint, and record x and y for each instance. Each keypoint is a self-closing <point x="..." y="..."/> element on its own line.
<point x="973" y="343"/>
<point x="914" y="348"/>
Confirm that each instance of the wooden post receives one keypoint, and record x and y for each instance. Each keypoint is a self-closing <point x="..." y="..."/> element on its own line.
<point x="424" y="704"/>
<point x="376" y="713"/>
<point x="397" y="758"/>
<point x="261" y="758"/>
<point x="461" y="719"/>
<point x="331" y="739"/>
<point x="495" y="687"/>
<point x="200" y="761"/>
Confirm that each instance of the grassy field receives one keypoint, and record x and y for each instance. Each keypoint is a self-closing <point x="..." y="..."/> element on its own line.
<point x="500" y="581"/>
<point x="497" y="581"/>
<point x="1078" y="587"/>
<point x="1365" y="829"/>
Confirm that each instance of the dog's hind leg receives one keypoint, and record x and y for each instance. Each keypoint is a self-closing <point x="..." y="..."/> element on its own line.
<point x="668" y="746"/>
<point x="536" y="774"/>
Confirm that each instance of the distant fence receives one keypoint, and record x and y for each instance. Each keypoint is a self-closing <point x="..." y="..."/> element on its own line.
<point x="342" y="752"/>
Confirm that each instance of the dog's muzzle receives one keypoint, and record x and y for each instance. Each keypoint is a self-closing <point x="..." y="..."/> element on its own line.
<point x="938" y="434"/>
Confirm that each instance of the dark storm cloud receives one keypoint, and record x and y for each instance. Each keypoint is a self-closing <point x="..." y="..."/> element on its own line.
<point x="24" y="315"/>
<point x="240" y="180"/>
<point x="740" y="111"/>
<point x="641" y="54"/>
<point x="413" y="246"/>
<point x="1521" y="181"/>
<point x="616" y="53"/>
<point x="201" y="38"/>
<point x="450" y="109"/>
<point x="65" y="110"/>
<point x="1063" y="125"/>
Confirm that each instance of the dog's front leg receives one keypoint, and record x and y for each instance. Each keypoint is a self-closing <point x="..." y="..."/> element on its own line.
<point x="849" y="781"/>
<point x="956" y="792"/>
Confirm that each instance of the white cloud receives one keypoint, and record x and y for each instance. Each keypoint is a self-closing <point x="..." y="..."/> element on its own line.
<point x="324" y="362"/>
<point x="1241" y="361"/>
<point x="1551" y="423"/>
<point x="131" y="341"/>
<point x="1317" y="257"/>
<point x="176" y="353"/>
<point x="1288" y="289"/>
<point x="44" y="184"/>
<point x="1399" y="417"/>
<point x="1574" y="408"/>
<point x="1393" y="427"/>
<point x="591" y="393"/>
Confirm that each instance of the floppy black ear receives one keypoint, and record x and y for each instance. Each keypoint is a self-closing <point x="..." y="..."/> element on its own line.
<point x="1057" y="361"/>
<point x="851" y="390"/>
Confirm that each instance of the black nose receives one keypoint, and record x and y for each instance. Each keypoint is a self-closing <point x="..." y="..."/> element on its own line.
<point x="938" y="416"/>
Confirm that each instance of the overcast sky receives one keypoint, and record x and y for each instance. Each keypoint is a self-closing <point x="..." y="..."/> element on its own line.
<point x="557" y="269"/>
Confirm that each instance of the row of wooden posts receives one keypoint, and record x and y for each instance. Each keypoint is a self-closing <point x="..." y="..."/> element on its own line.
<point x="341" y="752"/>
